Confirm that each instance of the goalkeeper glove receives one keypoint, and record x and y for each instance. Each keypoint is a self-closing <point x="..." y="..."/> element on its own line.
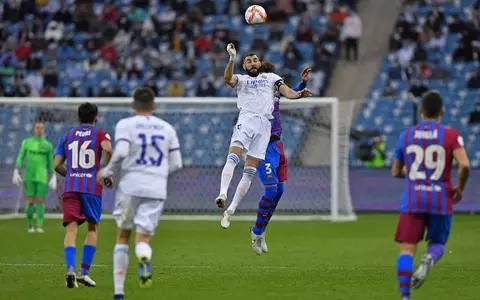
<point x="52" y="184"/>
<point x="231" y="51"/>
<point x="17" y="179"/>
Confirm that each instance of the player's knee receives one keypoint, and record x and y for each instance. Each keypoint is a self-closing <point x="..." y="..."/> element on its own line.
<point x="233" y="159"/>
<point x="407" y="248"/>
<point x="270" y="191"/>
<point x="29" y="201"/>
<point x="249" y="172"/>
<point x="40" y="200"/>
<point x="236" y="148"/>
<point x="144" y="234"/>
<point x="92" y="227"/>
<point x="280" y="189"/>
<point x="252" y="162"/>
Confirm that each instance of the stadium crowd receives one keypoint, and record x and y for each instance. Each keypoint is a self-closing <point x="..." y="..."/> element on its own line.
<point x="177" y="47"/>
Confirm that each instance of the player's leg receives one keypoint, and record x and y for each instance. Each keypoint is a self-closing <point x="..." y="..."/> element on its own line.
<point x="146" y="221"/>
<point x="249" y="172"/>
<point x="438" y="231"/>
<point x="92" y="210"/>
<point x="233" y="159"/>
<point x="29" y="190"/>
<point x="410" y="231"/>
<point x="72" y="217"/>
<point x="41" y="193"/>
<point x="123" y="212"/>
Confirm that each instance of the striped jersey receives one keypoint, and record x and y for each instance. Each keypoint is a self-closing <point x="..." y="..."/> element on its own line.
<point x="427" y="152"/>
<point x="277" y="123"/>
<point x="81" y="146"/>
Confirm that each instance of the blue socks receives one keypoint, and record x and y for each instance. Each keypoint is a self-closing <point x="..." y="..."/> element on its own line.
<point x="436" y="251"/>
<point x="264" y="208"/>
<point x="87" y="258"/>
<point x="70" y="258"/>
<point x="404" y="274"/>
<point x="275" y="201"/>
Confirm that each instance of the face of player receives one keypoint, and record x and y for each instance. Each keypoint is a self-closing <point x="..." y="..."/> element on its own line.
<point x="251" y="64"/>
<point x="39" y="129"/>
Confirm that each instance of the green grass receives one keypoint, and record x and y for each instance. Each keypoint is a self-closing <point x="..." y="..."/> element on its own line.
<point x="199" y="260"/>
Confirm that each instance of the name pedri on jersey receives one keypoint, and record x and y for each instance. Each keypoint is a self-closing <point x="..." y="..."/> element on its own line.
<point x="427" y="152"/>
<point x="145" y="169"/>
<point x="255" y="94"/>
<point x="81" y="146"/>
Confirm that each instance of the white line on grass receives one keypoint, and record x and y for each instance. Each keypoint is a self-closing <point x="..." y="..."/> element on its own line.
<point x="162" y="266"/>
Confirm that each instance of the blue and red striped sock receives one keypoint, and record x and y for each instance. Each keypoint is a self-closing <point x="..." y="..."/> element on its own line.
<point x="275" y="201"/>
<point x="404" y="274"/>
<point x="264" y="209"/>
<point x="436" y="251"/>
<point x="87" y="258"/>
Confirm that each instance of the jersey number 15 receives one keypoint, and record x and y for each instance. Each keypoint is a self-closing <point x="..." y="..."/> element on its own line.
<point x="154" y="141"/>
<point x="427" y="158"/>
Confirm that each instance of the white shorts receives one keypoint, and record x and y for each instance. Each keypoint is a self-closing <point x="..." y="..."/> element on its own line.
<point x="253" y="132"/>
<point x="139" y="212"/>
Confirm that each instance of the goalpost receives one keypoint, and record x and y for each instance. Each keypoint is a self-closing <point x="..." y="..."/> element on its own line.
<point x="316" y="136"/>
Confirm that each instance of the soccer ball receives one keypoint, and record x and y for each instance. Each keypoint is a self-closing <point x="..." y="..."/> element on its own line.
<point x="255" y="15"/>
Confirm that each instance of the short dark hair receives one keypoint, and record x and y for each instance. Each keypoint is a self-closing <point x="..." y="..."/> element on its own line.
<point x="247" y="55"/>
<point x="143" y="98"/>
<point x="267" y="67"/>
<point x="87" y="113"/>
<point x="432" y="104"/>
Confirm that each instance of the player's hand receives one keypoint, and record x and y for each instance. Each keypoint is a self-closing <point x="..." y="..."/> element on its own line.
<point x="52" y="184"/>
<point x="305" y="93"/>
<point x="305" y="74"/>
<point x="457" y="194"/>
<point x="232" y="52"/>
<point x="17" y="179"/>
<point x="108" y="182"/>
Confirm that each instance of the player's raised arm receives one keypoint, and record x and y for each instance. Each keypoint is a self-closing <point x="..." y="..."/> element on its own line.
<point x="17" y="179"/>
<point x="230" y="79"/>
<point x="398" y="166"/>
<point x="60" y="156"/>
<point x="461" y="157"/>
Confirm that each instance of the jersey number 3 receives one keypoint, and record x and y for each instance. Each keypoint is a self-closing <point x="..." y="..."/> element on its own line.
<point x="83" y="157"/>
<point x="153" y="141"/>
<point x="427" y="158"/>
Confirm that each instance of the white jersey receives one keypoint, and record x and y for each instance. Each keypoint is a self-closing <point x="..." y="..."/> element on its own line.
<point x="255" y="94"/>
<point x="145" y="169"/>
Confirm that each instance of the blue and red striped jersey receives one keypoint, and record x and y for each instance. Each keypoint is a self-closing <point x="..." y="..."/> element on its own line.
<point x="81" y="147"/>
<point x="427" y="152"/>
<point x="277" y="123"/>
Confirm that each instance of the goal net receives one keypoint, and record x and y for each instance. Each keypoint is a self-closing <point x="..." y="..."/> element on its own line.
<point x="315" y="135"/>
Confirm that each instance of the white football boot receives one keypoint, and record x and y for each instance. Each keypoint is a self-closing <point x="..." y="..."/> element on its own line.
<point x="221" y="201"/>
<point x="421" y="273"/>
<point x="31" y="230"/>
<point x="227" y="218"/>
<point x="40" y="230"/>
<point x="86" y="280"/>
<point x="256" y="242"/>
<point x="263" y="242"/>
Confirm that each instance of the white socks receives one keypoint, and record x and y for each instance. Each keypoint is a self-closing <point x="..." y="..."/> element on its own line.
<point x="243" y="187"/>
<point x="143" y="250"/>
<point x="227" y="172"/>
<point x="120" y="266"/>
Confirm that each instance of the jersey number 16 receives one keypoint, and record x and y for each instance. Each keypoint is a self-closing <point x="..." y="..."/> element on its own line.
<point x="427" y="158"/>
<point x="83" y="157"/>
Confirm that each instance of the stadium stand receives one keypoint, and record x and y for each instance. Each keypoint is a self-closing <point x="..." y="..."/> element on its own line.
<point x="89" y="48"/>
<point x="435" y="45"/>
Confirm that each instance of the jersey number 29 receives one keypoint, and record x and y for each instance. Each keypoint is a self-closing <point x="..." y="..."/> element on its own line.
<point x="154" y="142"/>
<point x="426" y="157"/>
<point x="83" y="157"/>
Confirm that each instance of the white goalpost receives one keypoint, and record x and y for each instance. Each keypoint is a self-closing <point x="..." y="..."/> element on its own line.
<point x="316" y="137"/>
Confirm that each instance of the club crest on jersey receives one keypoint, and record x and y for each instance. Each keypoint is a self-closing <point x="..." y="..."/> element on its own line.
<point x="83" y="133"/>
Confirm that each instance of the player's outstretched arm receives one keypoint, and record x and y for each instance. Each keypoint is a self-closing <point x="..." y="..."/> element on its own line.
<point x="230" y="79"/>
<point x="291" y="94"/>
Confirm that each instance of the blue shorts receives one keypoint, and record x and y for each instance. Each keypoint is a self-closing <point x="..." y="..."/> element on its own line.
<point x="80" y="207"/>
<point x="411" y="228"/>
<point x="274" y="168"/>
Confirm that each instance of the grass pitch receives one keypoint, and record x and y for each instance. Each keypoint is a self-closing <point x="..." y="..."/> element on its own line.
<point x="199" y="260"/>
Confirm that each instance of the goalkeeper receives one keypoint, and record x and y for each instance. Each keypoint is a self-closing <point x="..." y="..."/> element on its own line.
<point x="37" y="152"/>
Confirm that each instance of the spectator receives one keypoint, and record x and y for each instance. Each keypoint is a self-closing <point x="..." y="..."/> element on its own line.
<point x="206" y="88"/>
<point x="437" y="42"/>
<point x="339" y="14"/>
<point x="122" y="41"/>
<point x="75" y="69"/>
<point x="23" y="51"/>
<point x="137" y="14"/>
<point x="291" y="58"/>
<point x="110" y="13"/>
<point x="352" y="32"/>
<point x="417" y="88"/>
<point x="190" y="68"/>
<point x="134" y="65"/>
<point x="95" y="63"/>
<point x="435" y="19"/>
<point x="103" y="93"/>
<point x="474" y="80"/>
<point x="207" y="7"/>
<point x="74" y="93"/>
<point x="21" y="88"/>
<point x="405" y="53"/>
<point x="218" y="56"/>
<point x="378" y="154"/>
<point x="304" y="33"/>
<point x="48" y="92"/>
<point x="35" y="81"/>
<point x="117" y="92"/>
<point x="420" y="54"/>
<point x="474" y="117"/>
<point x="203" y="43"/>
<point x="463" y="52"/>
<point x="176" y="89"/>
<point x="456" y="25"/>
<point x="151" y="84"/>
<point x="395" y="71"/>
<point x="54" y="31"/>
<point x="108" y="52"/>
<point x="439" y="72"/>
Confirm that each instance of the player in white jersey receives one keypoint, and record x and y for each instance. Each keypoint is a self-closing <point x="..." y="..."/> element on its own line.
<point x="252" y="131"/>
<point x="148" y="150"/>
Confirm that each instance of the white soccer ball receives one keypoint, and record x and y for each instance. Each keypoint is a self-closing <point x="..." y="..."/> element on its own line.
<point x="255" y="15"/>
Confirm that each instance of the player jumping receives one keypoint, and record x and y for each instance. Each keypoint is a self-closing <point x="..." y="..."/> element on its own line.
<point x="37" y="152"/>
<point x="252" y="131"/>
<point x="82" y="148"/>
<point x="147" y="149"/>
<point x="273" y="170"/>
<point x="425" y="156"/>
